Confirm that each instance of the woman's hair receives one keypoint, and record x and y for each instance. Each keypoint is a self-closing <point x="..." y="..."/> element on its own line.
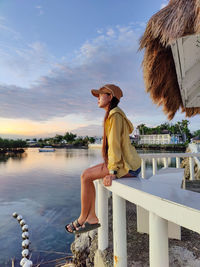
<point x="113" y="103"/>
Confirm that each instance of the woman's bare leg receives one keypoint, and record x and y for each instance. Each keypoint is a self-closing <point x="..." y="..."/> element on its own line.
<point x="88" y="192"/>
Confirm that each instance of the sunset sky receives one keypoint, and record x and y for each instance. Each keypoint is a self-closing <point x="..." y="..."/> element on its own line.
<point x="52" y="53"/>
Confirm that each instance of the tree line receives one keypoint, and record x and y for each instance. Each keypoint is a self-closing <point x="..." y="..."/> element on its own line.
<point x="180" y="127"/>
<point x="68" y="138"/>
<point x="10" y="143"/>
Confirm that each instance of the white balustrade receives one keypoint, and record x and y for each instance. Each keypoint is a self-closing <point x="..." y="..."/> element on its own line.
<point x="161" y="211"/>
<point x="191" y="161"/>
<point x="154" y="164"/>
<point x="165" y="160"/>
<point x="177" y="162"/>
<point x="158" y="241"/>
<point x="119" y="231"/>
<point x="143" y="168"/>
<point x="103" y="216"/>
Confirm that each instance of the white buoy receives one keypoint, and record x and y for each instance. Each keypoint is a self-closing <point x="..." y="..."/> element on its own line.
<point x="22" y="222"/>
<point x="19" y="218"/>
<point x="25" y="228"/>
<point x="26" y="263"/>
<point x="15" y="215"/>
<point x="25" y="243"/>
<point x="23" y="260"/>
<point x="25" y="235"/>
<point x="25" y="253"/>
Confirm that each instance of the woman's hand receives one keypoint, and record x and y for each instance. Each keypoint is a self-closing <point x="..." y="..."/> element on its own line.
<point x="107" y="180"/>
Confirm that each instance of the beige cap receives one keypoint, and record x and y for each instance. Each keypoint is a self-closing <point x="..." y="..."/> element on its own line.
<point x="110" y="89"/>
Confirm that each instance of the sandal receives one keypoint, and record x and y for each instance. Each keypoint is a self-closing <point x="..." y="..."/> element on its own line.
<point x="73" y="226"/>
<point x="87" y="227"/>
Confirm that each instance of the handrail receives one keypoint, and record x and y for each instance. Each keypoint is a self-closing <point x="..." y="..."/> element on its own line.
<point x="165" y="157"/>
<point x="169" y="204"/>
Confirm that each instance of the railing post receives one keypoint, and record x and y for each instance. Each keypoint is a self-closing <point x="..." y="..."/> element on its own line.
<point x="177" y="162"/>
<point x="191" y="161"/>
<point x="143" y="167"/>
<point x="158" y="241"/>
<point x="119" y="231"/>
<point x="103" y="216"/>
<point x="165" y="162"/>
<point x="154" y="163"/>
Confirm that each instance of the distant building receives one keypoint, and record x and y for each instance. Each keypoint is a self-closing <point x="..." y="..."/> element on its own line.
<point x="98" y="140"/>
<point x="160" y="139"/>
<point x="31" y="142"/>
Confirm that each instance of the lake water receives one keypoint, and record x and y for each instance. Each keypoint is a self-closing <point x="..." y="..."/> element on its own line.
<point x="45" y="189"/>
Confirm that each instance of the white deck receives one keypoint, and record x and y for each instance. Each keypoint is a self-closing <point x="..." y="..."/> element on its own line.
<point x="165" y="204"/>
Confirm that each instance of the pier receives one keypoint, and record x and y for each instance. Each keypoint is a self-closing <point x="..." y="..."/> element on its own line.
<point x="160" y="198"/>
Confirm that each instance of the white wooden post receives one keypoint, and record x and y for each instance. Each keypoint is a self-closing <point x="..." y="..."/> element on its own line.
<point x="154" y="163"/>
<point x="103" y="216"/>
<point x="143" y="167"/>
<point x="191" y="161"/>
<point x="177" y="162"/>
<point x="165" y="162"/>
<point x="158" y="241"/>
<point x="119" y="232"/>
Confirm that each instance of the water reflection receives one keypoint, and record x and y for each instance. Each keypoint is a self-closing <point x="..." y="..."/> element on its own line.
<point x="13" y="156"/>
<point x="45" y="189"/>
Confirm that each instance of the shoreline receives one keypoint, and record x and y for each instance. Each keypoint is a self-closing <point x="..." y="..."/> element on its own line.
<point x="8" y="151"/>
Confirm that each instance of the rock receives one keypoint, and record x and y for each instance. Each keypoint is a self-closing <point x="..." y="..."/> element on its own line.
<point x="185" y="252"/>
<point x="83" y="249"/>
<point x="180" y="256"/>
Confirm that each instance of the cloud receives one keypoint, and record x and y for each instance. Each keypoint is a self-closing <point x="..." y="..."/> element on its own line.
<point x="65" y="89"/>
<point x="22" y="65"/>
<point x="40" y="9"/>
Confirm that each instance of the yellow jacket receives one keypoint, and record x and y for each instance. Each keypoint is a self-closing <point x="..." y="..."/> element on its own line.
<point x="122" y="156"/>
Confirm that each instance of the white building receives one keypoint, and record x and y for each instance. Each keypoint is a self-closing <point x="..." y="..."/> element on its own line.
<point x="159" y="139"/>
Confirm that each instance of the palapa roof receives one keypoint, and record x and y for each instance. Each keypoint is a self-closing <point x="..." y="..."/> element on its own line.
<point x="179" y="18"/>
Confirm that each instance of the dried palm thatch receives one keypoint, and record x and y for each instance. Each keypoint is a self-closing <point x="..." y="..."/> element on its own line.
<point x="179" y="18"/>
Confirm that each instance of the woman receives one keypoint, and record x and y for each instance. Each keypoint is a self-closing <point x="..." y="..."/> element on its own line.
<point x="120" y="157"/>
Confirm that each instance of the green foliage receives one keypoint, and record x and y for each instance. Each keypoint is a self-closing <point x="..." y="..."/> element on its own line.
<point x="10" y="143"/>
<point x="177" y="128"/>
<point x="69" y="137"/>
<point x="196" y="133"/>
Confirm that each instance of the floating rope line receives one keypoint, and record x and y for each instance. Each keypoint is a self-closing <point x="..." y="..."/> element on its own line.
<point x="25" y="261"/>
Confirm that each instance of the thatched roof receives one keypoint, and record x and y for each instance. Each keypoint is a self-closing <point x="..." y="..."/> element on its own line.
<point x="179" y="18"/>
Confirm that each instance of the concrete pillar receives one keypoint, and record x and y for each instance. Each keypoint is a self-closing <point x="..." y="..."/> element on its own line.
<point x="103" y="216"/>
<point x="119" y="232"/>
<point x="165" y="160"/>
<point x="191" y="161"/>
<point x="154" y="164"/>
<point x="177" y="162"/>
<point x="158" y="241"/>
<point x="143" y="167"/>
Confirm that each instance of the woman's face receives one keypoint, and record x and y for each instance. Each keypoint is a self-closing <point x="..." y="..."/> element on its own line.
<point x="104" y="100"/>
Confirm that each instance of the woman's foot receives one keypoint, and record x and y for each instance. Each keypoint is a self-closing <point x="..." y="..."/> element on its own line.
<point x="73" y="226"/>
<point x="86" y="227"/>
<point x="92" y="219"/>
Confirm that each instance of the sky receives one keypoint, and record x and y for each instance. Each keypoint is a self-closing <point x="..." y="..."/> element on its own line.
<point x="52" y="53"/>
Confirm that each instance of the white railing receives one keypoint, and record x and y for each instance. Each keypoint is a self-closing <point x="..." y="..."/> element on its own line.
<point x="165" y="157"/>
<point x="181" y="207"/>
